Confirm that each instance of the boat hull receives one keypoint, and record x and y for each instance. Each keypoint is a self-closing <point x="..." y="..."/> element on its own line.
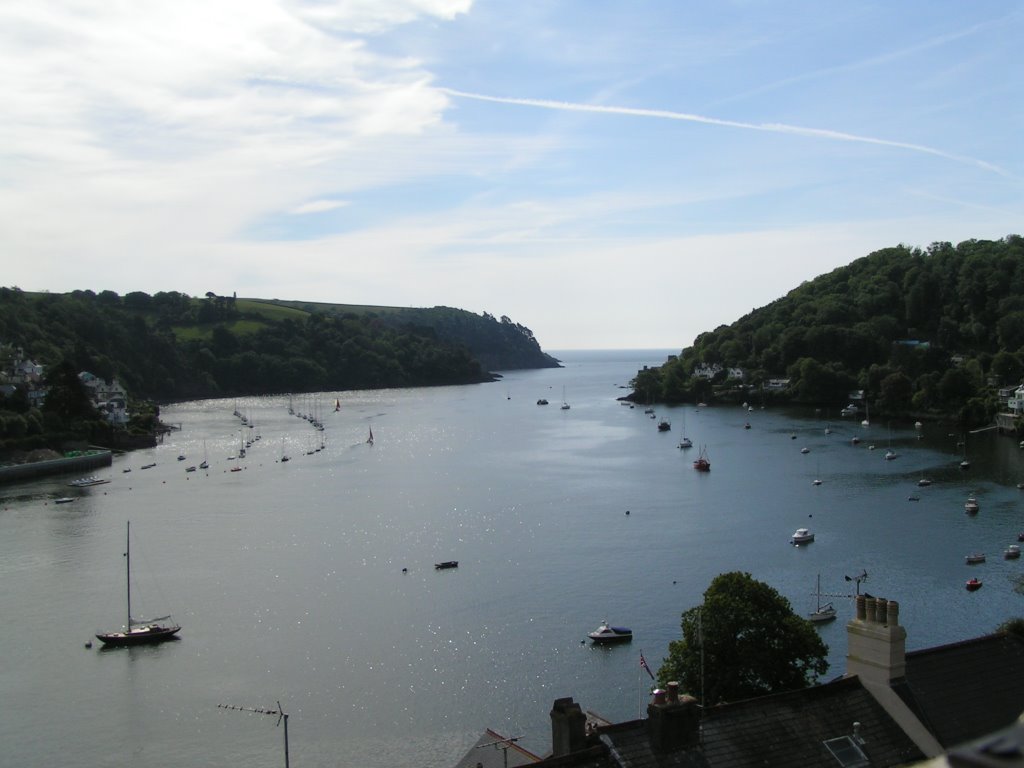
<point x="608" y="638"/>
<point x="139" y="636"/>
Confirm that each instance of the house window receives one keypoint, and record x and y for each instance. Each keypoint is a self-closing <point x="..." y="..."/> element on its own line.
<point x="845" y="750"/>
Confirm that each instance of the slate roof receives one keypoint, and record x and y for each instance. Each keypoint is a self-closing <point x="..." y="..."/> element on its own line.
<point x="965" y="690"/>
<point x="787" y="729"/>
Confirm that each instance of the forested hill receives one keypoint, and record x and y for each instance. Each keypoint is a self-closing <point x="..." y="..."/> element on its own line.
<point x="936" y="330"/>
<point x="171" y="346"/>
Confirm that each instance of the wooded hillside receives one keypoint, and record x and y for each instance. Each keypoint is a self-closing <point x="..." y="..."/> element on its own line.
<point x="935" y="330"/>
<point x="170" y="346"/>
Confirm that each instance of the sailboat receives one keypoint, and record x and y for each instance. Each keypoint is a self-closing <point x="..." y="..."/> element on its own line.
<point x="685" y="442"/>
<point x="337" y="405"/>
<point x="138" y="631"/>
<point x="867" y="415"/>
<point x="369" y="440"/>
<point x="821" y="613"/>
<point x="565" y="405"/>
<point x="204" y="464"/>
<point x="284" y="455"/>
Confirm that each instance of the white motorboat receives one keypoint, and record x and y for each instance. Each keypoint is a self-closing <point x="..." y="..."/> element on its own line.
<point x="606" y="633"/>
<point x="802" y="536"/>
<point x="971" y="506"/>
<point x="1012" y="552"/>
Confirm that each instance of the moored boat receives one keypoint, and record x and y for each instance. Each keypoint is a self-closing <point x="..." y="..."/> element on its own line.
<point x="802" y="536"/>
<point x="971" y="506"/>
<point x="138" y="631"/>
<point x="606" y="633"/>
<point x="446" y="564"/>
<point x="974" y="558"/>
<point x="973" y="585"/>
<point x="1012" y="552"/>
<point x="702" y="464"/>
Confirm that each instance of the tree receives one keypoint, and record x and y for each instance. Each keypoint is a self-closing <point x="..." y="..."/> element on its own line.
<point x="753" y="643"/>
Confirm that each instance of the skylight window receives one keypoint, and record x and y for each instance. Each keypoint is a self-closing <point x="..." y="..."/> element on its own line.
<point x="845" y="750"/>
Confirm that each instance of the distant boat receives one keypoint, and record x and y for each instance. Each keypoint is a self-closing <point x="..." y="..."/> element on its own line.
<point x="337" y="405"/>
<point x="975" y="558"/>
<point x="148" y="466"/>
<point x="1012" y="552"/>
<point x="284" y="456"/>
<point x="802" y="536"/>
<point x="971" y="506"/>
<point x="664" y="426"/>
<point x="867" y="415"/>
<point x="821" y="613"/>
<point x="64" y="500"/>
<point x="542" y="401"/>
<point x="446" y="564"/>
<point x="702" y="464"/>
<point x="973" y="585"/>
<point x="606" y="633"/>
<point x="369" y="440"/>
<point x="138" y="632"/>
<point x="565" y="404"/>
<point x="85" y="482"/>
<point x="190" y="468"/>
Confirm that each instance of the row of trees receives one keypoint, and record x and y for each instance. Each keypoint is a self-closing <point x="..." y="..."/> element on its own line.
<point x="917" y="330"/>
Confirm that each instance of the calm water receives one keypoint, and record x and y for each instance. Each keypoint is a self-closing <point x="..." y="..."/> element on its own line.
<point x="288" y="577"/>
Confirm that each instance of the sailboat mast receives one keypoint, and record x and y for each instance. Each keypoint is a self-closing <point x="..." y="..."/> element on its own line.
<point x="128" y="570"/>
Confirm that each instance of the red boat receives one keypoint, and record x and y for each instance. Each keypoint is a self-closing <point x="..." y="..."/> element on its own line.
<point x="702" y="464"/>
<point x="973" y="585"/>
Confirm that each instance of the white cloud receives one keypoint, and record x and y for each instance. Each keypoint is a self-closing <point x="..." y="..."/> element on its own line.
<point x="318" y="206"/>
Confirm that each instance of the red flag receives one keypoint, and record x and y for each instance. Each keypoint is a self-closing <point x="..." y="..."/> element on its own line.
<point x="643" y="663"/>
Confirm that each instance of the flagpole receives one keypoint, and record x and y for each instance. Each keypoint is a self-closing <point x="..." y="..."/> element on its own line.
<point x="639" y="690"/>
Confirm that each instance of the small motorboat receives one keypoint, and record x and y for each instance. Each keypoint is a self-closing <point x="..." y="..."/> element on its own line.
<point x="805" y="450"/>
<point x="609" y="634"/>
<point x="854" y="440"/>
<point x="542" y="401"/>
<point x="974" y="558"/>
<point x="446" y="564"/>
<point x="973" y="585"/>
<point x="664" y="426"/>
<point x="890" y="455"/>
<point x="971" y="506"/>
<point x="1012" y="552"/>
<point x="924" y="482"/>
<point x="802" y="536"/>
<point x="69" y="499"/>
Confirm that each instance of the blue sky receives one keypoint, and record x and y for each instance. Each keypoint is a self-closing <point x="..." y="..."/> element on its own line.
<point x="608" y="174"/>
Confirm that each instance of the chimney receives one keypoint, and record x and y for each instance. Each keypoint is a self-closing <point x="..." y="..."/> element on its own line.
<point x="673" y="721"/>
<point x="876" y="643"/>
<point x="568" y="727"/>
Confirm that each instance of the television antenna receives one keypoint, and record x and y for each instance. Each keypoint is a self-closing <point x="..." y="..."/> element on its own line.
<point x="279" y="712"/>
<point x="503" y="744"/>
<point x="863" y="576"/>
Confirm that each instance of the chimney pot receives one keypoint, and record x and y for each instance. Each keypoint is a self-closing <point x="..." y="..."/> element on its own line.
<point x="659" y="696"/>
<point x="673" y="692"/>
<point x="893" y="619"/>
<point x="861" y="608"/>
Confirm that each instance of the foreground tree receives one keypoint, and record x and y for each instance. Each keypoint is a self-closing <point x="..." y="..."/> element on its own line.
<point x="753" y="644"/>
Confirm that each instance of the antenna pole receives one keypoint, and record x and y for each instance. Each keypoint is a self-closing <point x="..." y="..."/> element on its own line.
<point x="282" y="716"/>
<point x="503" y="745"/>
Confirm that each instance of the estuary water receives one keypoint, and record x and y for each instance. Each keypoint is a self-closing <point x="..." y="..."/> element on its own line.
<point x="312" y="582"/>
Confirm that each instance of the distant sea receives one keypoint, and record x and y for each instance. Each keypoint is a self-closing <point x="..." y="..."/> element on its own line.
<point x="312" y="582"/>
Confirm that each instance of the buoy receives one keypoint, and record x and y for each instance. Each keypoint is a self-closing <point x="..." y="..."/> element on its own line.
<point x="627" y="511"/>
<point x="88" y="644"/>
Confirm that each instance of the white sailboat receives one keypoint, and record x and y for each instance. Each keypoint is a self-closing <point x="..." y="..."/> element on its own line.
<point x="867" y="415"/>
<point x="565" y="405"/>
<point x="821" y="613"/>
<point x="685" y="442"/>
<point x="138" y="631"/>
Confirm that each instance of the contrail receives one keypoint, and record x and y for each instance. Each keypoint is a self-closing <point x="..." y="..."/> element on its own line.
<point x="818" y="133"/>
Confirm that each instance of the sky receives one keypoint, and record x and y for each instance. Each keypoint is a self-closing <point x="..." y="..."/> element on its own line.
<point x="610" y="175"/>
